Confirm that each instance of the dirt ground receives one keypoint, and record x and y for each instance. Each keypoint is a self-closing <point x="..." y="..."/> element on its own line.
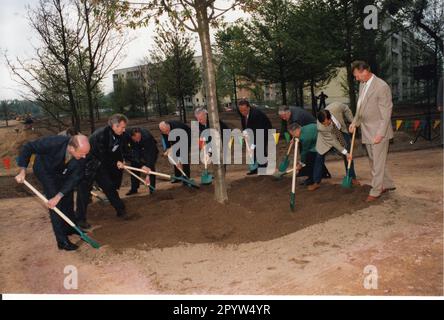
<point x="181" y="242"/>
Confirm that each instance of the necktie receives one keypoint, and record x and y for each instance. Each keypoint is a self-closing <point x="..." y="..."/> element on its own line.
<point x="338" y="134"/>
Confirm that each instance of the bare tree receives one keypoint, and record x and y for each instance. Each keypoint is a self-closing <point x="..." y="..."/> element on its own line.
<point x="47" y="76"/>
<point x="100" y="41"/>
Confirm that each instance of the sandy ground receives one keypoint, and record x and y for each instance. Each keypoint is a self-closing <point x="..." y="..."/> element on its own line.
<point x="401" y="236"/>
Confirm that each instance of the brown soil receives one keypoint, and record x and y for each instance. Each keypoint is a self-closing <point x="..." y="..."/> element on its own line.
<point x="258" y="210"/>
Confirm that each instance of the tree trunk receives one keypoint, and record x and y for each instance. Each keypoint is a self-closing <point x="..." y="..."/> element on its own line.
<point x="159" y="105"/>
<point x="184" y="110"/>
<point x="220" y="189"/>
<point x="90" y="108"/>
<point x="235" y="91"/>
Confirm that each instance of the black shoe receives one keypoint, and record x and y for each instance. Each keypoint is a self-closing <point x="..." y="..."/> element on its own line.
<point x="122" y="214"/>
<point x="131" y="192"/>
<point x="67" y="245"/>
<point x="83" y="225"/>
<point x="250" y="173"/>
<point x="176" y="181"/>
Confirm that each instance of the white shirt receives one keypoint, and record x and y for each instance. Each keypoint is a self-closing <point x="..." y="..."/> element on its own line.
<point x="336" y="122"/>
<point x="364" y="92"/>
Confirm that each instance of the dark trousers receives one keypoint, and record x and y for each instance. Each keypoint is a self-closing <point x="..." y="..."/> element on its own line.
<point x="109" y="185"/>
<point x="51" y="187"/>
<point x="320" y="162"/>
<point x="135" y="183"/>
<point x="308" y="170"/>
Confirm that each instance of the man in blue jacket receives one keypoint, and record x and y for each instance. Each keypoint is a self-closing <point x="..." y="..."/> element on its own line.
<point x="59" y="165"/>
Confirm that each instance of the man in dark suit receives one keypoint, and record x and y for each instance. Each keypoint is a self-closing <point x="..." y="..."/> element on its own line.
<point x="296" y="114"/>
<point x="165" y="128"/>
<point x="103" y="165"/>
<point x="59" y="165"/>
<point x="255" y="119"/>
<point x="141" y="151"/>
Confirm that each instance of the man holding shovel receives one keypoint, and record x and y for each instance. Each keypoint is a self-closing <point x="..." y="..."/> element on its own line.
<point x="141" y="151"/>
<point x="255" y="119"/>
<point x="182" y="167"/>
<point x="59" y="165"/>
<point x="333" y="135"/>
<point x="373" y="115"/>
<point x="103" y="165"/>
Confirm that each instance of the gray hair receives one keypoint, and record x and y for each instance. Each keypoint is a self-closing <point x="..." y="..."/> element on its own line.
<point x="117" y="118"/>
<point x="199" y="110"/>
<point x="294" y="126"/>
<point x="283" y="109"/>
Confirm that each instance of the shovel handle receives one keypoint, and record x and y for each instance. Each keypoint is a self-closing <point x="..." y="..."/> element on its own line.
<point x="289" y="148"/>
<point x="167" y="176"/>
<point x="136" y="176"/>
<point x="295" y="160"/>
<point x="351" y="149"/>
<point x="42" y="197"/>
<point x="175" y="164"/>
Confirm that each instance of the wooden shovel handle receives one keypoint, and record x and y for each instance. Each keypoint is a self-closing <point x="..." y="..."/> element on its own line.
<point x="289" y="148"/>
<point x="295" y="161"/>
<point x="351" y="149"/>
<point x="42" y="197"/>
<point x="175" y="164"/>
<point x="136" y="176"/>
<point x="167" y="176"/>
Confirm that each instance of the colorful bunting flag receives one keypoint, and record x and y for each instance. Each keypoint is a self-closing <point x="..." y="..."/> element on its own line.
<point x="416" y="124"/>
<point x="398" y="124"/>
<point x="7" y="163"/>
<point x="230" y="144"/>
<point x="276" y="137"/>
<point x="436" y="124"/>
<point x="241" y="140"/>
<point x="287" y="137"/>
<point x="407" y="124"/>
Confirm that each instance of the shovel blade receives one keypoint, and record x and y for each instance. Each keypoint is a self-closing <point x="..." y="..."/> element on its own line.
<point x="206" y="178"/>
<point x="283" y="166"/>
<point x="292" y="201"/>
<point x="87" y="239"/>
<point x="347" y="181"/>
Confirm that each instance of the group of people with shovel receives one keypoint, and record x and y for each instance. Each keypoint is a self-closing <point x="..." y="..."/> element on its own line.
<point x="68" y="163"/>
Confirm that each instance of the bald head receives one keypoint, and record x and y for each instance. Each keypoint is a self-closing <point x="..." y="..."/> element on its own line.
<point x="78" y="146"/>
<point x="164" y="127"/>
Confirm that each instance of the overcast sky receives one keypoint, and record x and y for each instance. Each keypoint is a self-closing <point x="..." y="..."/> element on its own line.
<point x="17" y="38"/>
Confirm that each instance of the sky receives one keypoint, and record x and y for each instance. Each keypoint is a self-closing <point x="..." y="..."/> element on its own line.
<point x="17" y="39"/>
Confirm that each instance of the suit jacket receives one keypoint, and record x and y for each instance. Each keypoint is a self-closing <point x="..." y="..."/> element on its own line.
<point x="50" y="162"/>
<point x="327" y="139"/>
<point x="308" y="139"/>
<point x="106" y="151"/>
<point x="375" y="111"/>
<point x="301" y="116"/>
<point x="144" y="152"/>
<point x="257" y="120"/>
<point x="342" y="113"/>
<point x="177" y="125"/>
<point x="222" y="126"/>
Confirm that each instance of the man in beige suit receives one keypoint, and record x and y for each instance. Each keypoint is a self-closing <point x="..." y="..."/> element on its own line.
<point x="373" y="115"/>
<point x="333" y="135"/>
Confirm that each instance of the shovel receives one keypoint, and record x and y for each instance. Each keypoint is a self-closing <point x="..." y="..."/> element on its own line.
<point x="206" y="178"/>
<point x="293" y="183"/>
<point x="283" y="166"/>
<point x="187" y="179"/>
<point x="87" y="239"/>
<point x="347" y="181"/>
<point x="140" y="179"/>
<point x="254" y="166"/>
<point x="165" y="176"/>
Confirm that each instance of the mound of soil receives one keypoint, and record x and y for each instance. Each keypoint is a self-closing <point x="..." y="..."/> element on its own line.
<point x="258" y="210"/>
